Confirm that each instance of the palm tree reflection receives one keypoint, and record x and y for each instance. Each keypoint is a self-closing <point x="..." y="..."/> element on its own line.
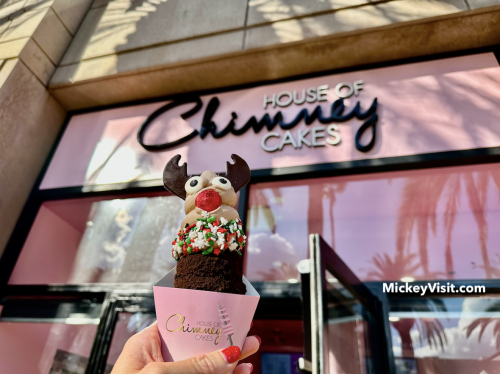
<point x="482" y="324"/>
<point x="418" y="210"/>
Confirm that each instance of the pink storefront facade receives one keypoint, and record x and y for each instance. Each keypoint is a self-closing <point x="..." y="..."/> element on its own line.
<point x="395" y="168"/>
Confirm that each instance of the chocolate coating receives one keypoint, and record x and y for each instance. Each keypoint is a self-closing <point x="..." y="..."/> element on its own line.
<point x="221" y="273"/>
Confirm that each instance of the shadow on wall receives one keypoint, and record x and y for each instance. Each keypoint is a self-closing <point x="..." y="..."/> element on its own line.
<point x="14" y="16"/>
<point x="135" y="24"/>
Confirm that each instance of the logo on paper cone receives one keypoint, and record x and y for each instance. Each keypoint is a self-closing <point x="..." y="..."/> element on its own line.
<point x="204" y="330"/>
<point x="226" y="325"/>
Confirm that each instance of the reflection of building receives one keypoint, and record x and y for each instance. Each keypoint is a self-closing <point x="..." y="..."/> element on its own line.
<point x="373" y="124"/>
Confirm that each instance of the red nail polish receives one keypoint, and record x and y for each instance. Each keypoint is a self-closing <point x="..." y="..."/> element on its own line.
<point x="258" y="338"/>
<point x="231" y="354"/>
<point x="251" y="367"/>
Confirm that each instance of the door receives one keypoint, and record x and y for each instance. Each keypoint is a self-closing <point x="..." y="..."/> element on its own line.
<point x="345" y="324"/>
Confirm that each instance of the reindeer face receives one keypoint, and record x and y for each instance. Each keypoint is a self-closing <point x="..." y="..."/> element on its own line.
<point x="207" y="191"/>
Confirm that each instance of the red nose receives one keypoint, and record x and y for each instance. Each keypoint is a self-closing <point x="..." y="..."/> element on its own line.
<point x="208" y="200"/>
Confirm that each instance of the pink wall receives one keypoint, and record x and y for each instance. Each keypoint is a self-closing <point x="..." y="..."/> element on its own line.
<point x="49" y="251"/>
<point x="424" y="107"/>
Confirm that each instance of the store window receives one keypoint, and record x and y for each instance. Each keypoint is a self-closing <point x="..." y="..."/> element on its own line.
<point x="419" y="224"/>
<point x="126" y="326"/>
<point x="446" y="335"/>
<point x="47" y="335"/>
<point x="101" y="240"/>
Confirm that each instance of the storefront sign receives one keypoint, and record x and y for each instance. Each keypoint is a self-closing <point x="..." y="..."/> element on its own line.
<point x="426" y="107"/>
<point x="314" y="137"/>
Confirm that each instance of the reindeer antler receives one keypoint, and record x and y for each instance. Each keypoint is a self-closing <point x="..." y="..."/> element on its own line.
<point x="237" y="173"/>
<point x="175" y="177"/>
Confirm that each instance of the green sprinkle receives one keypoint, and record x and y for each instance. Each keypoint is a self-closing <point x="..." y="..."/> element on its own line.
<point x="186" y="225"/>
<point x="211" y="219"/>
<point x="189" y="250"/>
<point x="177" y="259"/>
<point x="233" y="221"/>
<point x="204" y="252"/>
<point x="241" y="232"/>
<point x="201" y="219"/>
<point x="208" y="235"/>
<point x="210" y="250"/>
<point x="180" y="244"/>
<point x="241" y="254"/>
<point x="188" y="241"/>
<point x="211" y="243"/>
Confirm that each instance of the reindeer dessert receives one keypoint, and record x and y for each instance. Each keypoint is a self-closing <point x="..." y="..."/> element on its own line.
<point x="209" y="244"/>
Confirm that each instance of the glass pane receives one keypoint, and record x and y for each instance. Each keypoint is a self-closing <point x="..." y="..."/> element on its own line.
<point x="41" y="348"/>
<point x="420" y="224"/>
<point x="346" y="345"/>
<point x="93" y="240"/>
<point x="446" y="335"/>
<point x="282" y="345"/>
<point x="127" y="325"/>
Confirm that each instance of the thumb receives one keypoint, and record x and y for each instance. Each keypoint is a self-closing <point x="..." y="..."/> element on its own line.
<point x="218" y="362"/>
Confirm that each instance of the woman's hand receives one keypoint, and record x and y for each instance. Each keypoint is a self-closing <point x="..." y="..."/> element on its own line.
<point x="142" y="355"/>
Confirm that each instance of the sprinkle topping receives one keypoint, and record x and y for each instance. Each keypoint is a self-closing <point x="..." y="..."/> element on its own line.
<point x="209" y="235"/>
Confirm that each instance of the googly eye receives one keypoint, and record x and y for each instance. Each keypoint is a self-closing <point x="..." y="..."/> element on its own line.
<point x="193" y="185"/>
<point x="222" y="183"/>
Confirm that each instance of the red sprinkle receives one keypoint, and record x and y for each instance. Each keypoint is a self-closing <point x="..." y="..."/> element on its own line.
<point x="173" y="243"/>
<point x="217" y="251"/>
<point x="207" y="230"/>
<point x="217" y="223"/>
<point x="241" y="239"/>
<point x="190" y="227"/>
<point x="222" y="230"/>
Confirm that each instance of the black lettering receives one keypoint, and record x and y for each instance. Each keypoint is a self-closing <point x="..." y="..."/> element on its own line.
<point x="160" y="147"/>
<point x="208" y="126"/>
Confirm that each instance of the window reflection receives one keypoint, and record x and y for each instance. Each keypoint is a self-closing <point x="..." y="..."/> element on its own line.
<point x="127" y="325"/>
<point x="420" y="224"/>
<point x="448" y="335"/>
<point x="42" y="348"/>
<point x="100" y="241"/>
<point x="346" y="331"/>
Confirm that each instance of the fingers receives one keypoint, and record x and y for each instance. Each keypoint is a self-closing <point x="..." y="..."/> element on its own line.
<point x="243" y="369"/>
<point x="218" y="362"/>
<point x="251" y="345"/>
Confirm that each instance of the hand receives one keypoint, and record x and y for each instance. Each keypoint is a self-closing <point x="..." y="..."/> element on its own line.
<point x="142" y="355"/>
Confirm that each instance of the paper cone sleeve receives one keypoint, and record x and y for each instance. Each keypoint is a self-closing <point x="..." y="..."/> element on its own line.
<point x="189" y="322"/>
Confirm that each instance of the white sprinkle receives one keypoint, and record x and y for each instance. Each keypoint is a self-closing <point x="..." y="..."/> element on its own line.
<point x="223" y="220"/>
<point x="233" y="246"/>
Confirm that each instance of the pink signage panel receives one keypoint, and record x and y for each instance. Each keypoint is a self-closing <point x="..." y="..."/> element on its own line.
<point x="434" y="106"/>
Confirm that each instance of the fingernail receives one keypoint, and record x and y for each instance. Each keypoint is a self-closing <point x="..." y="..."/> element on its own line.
<point x="251" y="367"/>
<point x="231" y="354"/>
<point x="258" y="338"/>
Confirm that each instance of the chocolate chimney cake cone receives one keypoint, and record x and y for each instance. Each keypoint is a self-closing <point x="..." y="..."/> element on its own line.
<point x="210" y="241"/>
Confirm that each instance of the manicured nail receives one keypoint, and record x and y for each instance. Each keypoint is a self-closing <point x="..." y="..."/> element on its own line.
<point x="258" y="338"/>
<point x="251" y="367"/>
<point x="231" y="354"/>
